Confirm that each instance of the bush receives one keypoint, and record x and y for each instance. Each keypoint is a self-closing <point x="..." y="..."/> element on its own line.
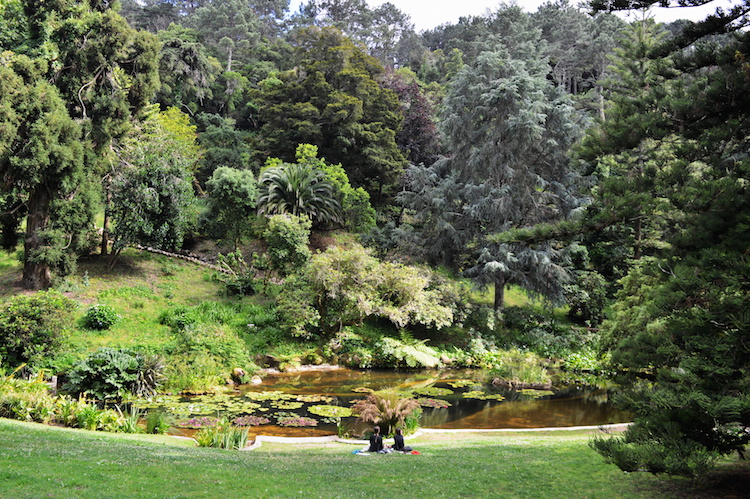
<point x="587" y="297"/>
<point x="544" y="335"/>
<point x="387" y="408"/>
<point x="223" y="436"/>
<point x="409" y="353"/>
<point x="33" y="327"/>
<point x="100" y="317"/>
<point x="287" y="237"/>
<point x="110" y="374"/>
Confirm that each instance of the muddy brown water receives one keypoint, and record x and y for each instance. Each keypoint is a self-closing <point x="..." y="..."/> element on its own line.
<point x="570" y="406"/>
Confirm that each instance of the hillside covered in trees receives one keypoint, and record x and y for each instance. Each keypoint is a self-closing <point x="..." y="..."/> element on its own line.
<point x="369" y="194"/>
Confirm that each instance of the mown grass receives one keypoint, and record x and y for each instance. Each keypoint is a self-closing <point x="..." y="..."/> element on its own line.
<point x="41" y="461"/>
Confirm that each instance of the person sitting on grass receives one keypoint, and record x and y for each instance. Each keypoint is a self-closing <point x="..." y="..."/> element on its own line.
<point x="398" y="442"/>
<point x="376" y="440"/>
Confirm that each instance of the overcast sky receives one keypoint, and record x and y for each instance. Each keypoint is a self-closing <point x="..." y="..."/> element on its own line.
<point x="426" y="14"/>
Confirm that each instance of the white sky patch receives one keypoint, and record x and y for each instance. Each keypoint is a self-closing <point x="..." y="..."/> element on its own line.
<point x="427" y="14"/>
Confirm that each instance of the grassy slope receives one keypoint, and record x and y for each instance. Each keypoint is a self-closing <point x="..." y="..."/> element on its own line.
<point x="39" y="461"/>
<point x="140" y="287"/>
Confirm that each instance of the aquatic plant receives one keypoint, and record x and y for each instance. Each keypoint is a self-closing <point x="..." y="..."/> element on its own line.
<point x="157" y="423"/>
<point x="433" y="403"/>
<point x="315" y="398"/>
<point x="433" y="391"/>
<point x="199" y="422"/>
<point x="285" y="404"/>
<point x="461" y="383"/>
<point x="251" y="421"/>
<point x="291" y="419"/>
<point x="535" y="394"/>
<point x="272" y="395"/>
<point x="331" y="411"/>
<point x="223" y="436"/>
<point x="480" y="395"/>
<point x="129" y="422"/>
<point x="362" y="389"/>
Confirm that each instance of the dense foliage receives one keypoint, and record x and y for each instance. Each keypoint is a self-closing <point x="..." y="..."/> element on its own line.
<point x="594" y="163"/>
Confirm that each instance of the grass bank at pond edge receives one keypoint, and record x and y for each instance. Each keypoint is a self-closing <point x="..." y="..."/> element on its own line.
<point x="37" y="460"/>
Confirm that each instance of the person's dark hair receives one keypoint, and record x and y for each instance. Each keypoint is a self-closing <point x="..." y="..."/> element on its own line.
<point x="376" y="429"/>
<point x="398" y="431"/>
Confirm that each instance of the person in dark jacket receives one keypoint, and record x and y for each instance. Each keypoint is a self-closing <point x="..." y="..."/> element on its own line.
<point x="376" y="440"/>
<point x="398" y="442"/>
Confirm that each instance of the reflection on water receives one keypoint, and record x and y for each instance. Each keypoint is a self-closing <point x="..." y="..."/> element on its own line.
<point x="575" y="406"/>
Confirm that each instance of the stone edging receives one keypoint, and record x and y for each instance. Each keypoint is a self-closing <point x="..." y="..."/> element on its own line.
<point x="334" y="438"/>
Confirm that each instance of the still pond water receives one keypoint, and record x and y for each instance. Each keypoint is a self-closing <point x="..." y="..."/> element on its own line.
<point x="293" y="393"/>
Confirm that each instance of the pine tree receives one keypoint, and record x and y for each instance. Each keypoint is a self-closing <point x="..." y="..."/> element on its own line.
<point x="507" y="131"/>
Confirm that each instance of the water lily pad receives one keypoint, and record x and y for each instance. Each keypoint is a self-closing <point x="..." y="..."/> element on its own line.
<point x="480" y="395"/>
<point x="273" y="395"/>
<point x="197" y="423"/>
<point x="535" y="394"/>
<point x="292" y="419"/>
<point x="433" y="391"/>
<point x="433" y="403"/>
<point x="461" y="383"/>
<point x="286" y="404"/>
<point x="315" y="398"/>
<point x="331" y="411"/>
<point x="251" y="421"/>
<point x="362" y="389"/>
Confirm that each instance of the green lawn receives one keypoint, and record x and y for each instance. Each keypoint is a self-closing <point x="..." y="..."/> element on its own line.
<point x="40" y="461"/>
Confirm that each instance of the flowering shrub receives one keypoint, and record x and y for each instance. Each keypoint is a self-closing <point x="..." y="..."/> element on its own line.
<point x="251" y="421"/>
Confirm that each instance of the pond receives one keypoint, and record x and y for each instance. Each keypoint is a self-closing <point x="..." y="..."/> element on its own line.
<point x="461" y="399"/>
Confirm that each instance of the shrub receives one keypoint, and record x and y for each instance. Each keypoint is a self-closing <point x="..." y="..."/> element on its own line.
<point x="412" y="354"/>
<point x="109" y="374"/>
<point x="517" y="366"/>
<point x="287" y="237"/>
<point x="157" y="423"/>
<point x="100" y="317"/>
<point x="238" y="277"/>
<point x="386" y="408"/>
<point x="33" y="327"/>
<point x="223" y="436"/>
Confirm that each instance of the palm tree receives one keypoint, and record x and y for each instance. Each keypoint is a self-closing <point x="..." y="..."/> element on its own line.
<point x="386" y="408"/>
<point x="297" y="189"/>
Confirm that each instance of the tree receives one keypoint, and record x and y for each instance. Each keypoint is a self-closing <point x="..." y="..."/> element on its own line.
<point x="677" y="329"/>
<point x="287" y="237"/>
<point x="228" y="28"/>
<point x="342" y="287"/>
<point x="104" y="73"/>
<point x="418" y="136"/>
<point x="507" y="130"/>
<point x="232" y="198"/>
<point x="298" y="189"/>
<point x="357" y="214"/>
<point x="332" y="99"/>
<point x="152" y="194"/>
<point x="41" y="161"/>
<point x="186" y="72"/>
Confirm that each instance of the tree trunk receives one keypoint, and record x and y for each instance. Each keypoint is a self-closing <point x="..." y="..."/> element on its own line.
<point x="36" y="275"/>
<point x="499" y="294"/>
<point x="638" y="239"/>
<point x="105" y="224"/>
